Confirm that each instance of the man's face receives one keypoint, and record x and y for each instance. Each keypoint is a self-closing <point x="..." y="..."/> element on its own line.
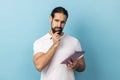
<point x="58" y="22"/>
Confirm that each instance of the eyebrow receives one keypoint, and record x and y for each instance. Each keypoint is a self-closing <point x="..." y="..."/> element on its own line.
<point x="59" y="20"/>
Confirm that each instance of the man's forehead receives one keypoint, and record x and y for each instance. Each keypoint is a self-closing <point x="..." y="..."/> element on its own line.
<point x="60" y="16"/>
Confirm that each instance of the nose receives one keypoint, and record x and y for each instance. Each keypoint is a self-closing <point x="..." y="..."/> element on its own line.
<point x="59" y="24"/>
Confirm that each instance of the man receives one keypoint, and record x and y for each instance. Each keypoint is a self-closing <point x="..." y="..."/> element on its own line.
<point x="51" y="49"/>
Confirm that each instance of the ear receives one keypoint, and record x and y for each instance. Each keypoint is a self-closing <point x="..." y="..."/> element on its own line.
<point x="51" y="18"/>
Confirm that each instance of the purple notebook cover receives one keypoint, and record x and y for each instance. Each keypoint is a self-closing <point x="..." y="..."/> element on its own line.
<point x="73" y="57"/>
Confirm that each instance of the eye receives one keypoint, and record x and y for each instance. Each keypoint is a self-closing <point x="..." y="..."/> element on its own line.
<point x="56" y="20"/>
<point x="63" y="22"/>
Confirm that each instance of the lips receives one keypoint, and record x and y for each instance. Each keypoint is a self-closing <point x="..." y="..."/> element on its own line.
<point x="57" y="29"/>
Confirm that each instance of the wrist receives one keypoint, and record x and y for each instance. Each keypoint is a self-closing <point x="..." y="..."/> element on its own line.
<point x="55" y="45"/>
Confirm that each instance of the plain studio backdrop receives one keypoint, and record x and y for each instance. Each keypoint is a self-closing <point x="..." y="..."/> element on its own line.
<point x="96" y="23"/>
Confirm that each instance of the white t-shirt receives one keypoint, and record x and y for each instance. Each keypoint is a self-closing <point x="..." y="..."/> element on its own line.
<point x="55" y="70"/>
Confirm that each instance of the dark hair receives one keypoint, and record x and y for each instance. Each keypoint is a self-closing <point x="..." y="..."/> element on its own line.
<point x="59" y="10"/>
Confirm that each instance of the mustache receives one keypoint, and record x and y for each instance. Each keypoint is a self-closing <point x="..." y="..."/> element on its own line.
<point x="58" y="28"/>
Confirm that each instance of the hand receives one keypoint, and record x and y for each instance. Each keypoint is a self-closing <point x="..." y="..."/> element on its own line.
<point x="56" y="39"/>
<point x="72" y="64"/>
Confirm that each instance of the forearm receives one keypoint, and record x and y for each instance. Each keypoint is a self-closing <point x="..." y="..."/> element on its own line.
<point x="80" y="68"/>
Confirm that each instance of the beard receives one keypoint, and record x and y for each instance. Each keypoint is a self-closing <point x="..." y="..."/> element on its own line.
<point x="57" y="29"/>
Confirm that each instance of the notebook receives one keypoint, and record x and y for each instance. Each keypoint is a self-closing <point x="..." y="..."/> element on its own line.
<point x="77" y="54"/>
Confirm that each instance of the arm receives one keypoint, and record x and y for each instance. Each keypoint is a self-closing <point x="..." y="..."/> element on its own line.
<point x="41" y="59"/>
<point x="80" y="67"/>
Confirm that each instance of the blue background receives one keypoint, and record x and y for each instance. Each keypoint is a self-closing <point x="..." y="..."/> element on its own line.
<point x="96" y="23"/>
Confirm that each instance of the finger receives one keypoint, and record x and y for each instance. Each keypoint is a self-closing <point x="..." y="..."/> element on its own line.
<point x="73" y="63"/>
<point x="56" y="33"/>
<point x="58" y="38"/>
<point x="69" y="66"/>
<point x="70" y="62"/>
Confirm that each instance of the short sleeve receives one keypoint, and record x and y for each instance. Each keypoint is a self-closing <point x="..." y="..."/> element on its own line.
<point x="37" y="47"/>
<point x="78" y="46"/>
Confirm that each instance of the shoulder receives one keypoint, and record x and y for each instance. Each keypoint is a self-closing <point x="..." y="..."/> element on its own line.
<point x="71" y="38"/>
<point x="42" y="39"/>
